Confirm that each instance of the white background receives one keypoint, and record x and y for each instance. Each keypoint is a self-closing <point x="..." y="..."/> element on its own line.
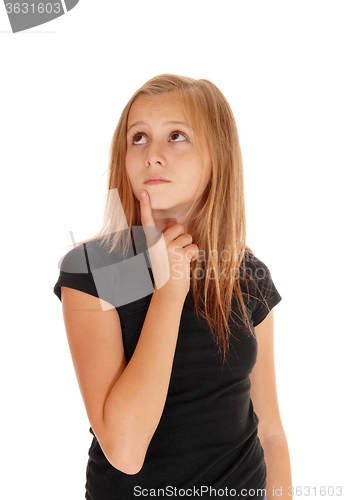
<point x="63" y="86"/>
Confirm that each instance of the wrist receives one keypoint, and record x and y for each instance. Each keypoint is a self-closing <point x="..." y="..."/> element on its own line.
<point x="171" y="293"/>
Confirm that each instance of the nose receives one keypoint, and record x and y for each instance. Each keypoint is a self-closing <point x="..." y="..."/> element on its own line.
<point x="155" y="154"/>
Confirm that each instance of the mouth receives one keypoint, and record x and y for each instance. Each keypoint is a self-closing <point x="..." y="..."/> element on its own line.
<point x="153" y="182"/>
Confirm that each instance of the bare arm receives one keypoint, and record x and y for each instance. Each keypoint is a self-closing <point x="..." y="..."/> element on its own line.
<point x="134" y="407"/>
<point x="265" y="403"/>
<point x="124" y="403"/>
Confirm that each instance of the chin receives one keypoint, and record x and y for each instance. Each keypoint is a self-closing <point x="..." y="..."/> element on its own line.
<point x="159" y="201"/>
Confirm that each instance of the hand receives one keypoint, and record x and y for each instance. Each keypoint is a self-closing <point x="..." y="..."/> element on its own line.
<point x="171" y="255"/>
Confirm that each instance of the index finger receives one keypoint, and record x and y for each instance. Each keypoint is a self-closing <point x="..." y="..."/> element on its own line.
<point x="146" y="210"/>
<point x="155" y="244"/>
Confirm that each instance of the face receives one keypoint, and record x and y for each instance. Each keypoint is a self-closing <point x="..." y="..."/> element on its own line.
<point x="160" y="142"/>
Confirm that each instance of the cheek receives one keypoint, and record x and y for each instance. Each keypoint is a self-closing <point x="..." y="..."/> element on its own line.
<point x="192" y="167"/>
<point x="132" y="160"/>
<point x="186" y="163"/>
<point x="129" y="164"/>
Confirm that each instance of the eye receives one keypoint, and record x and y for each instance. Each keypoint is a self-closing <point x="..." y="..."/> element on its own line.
<point x="137" y="139"/>
<point x="180" y="134"/>
<point x="176" y="136"/>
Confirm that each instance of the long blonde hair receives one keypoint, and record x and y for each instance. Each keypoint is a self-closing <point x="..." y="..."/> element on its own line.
<point x="219" y="226"/>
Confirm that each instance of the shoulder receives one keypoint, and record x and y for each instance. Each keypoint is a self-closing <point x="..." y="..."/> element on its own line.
<point x="85" y="257"/>
<point x="76" y="268"/>
<point x="254" y="272"/>
<point x="255" y="267"/>
<point x="117" y="276"/>
<point x="75" y="261"/>
<point x="258" y="287"/>
<point x="75" y="272"/>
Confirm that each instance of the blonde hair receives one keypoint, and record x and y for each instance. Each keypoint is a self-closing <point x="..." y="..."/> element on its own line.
<point x="220" y="224"/>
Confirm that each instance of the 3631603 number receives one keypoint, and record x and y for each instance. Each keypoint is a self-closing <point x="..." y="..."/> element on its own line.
<point x="36" y="7"/>
<point x="321" y="491"/>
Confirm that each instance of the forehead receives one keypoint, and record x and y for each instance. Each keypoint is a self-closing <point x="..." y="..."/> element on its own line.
<point x="162" y="107"/>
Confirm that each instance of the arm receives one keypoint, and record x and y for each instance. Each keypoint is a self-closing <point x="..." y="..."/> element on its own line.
<point x="123" y="403"/>
<point x="265" y="403"/>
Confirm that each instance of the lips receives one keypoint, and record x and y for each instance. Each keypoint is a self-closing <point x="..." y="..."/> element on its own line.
<point x="156" y="178"/>
<point x="156" y="181"/>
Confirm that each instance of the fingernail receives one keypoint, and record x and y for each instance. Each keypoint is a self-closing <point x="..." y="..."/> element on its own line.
<point x="143" y="194"/>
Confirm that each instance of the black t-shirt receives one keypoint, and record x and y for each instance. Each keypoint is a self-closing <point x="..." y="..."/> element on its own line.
<point x="207" y="435"/>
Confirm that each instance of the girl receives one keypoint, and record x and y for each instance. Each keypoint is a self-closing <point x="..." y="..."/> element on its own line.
<point x="169" y="314"/>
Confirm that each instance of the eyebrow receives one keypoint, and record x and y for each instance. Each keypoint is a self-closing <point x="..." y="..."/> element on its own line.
<point x="140" y="122"/>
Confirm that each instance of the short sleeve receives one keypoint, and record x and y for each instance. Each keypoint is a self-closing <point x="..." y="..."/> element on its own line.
<point x="111" y="276"/>
<point x="75" y="273"/>
<point x="262" y="293"/>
